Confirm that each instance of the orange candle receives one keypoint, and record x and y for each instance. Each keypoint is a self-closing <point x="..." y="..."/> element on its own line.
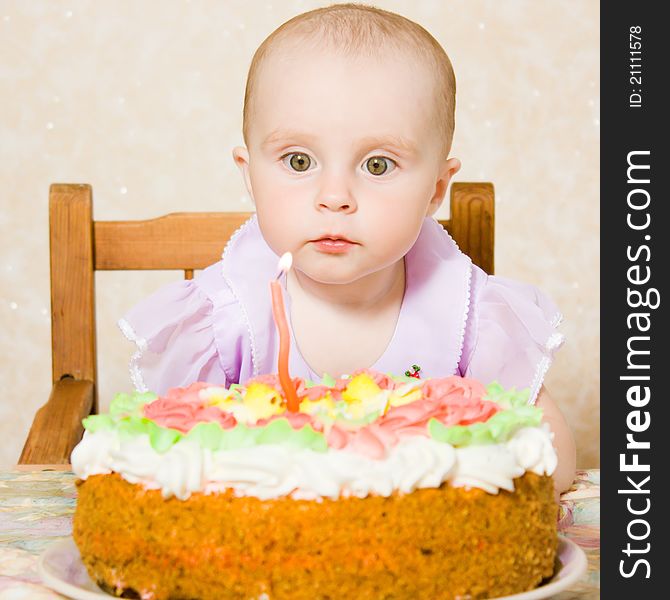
<point x="279" y="315"/>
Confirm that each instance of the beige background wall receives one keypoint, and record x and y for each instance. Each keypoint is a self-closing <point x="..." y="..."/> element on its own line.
<point x="143" y="100"/>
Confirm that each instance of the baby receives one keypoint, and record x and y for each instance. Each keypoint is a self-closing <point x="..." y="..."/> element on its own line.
<point x="348" y="124"/>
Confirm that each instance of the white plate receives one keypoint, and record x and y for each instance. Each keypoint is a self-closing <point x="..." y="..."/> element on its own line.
<point x="61" y="569"/>
<point x="570" y="566"/>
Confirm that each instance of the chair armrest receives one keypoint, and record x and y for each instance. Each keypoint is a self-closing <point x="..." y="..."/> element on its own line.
<point x="57" y="427"/>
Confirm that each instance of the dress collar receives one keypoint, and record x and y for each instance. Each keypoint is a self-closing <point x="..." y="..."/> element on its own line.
<point x="431" y="325"/>
<point x="434" y="311"/>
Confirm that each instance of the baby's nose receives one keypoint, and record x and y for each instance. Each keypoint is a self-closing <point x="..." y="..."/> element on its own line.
<point x="336" y="204"/>
<point x="335" y="196"/>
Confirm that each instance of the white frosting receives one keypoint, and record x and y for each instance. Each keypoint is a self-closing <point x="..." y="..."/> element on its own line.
<point x="272" y="470"/>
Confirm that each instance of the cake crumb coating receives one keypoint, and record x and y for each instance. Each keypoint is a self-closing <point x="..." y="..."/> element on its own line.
<point x="437" y="543"/>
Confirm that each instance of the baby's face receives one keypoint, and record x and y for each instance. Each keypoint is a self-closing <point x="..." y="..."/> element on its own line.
<point x="343" y="148"/>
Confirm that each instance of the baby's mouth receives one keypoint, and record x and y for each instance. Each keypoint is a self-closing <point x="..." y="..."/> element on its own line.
<point x="334" y="238"/>
<point x="333" y="244"/>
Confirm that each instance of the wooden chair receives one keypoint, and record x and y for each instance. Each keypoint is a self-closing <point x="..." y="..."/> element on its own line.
<point x="79" y="246"/>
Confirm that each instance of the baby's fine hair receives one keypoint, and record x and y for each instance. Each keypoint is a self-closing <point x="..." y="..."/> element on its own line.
<point x="363" y="30"/>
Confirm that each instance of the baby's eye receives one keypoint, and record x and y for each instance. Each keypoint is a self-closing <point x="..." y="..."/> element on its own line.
<point x="378" y="165"/>
<point x="298" y="161"/>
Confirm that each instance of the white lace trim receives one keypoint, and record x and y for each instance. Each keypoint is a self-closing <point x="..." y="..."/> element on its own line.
<point x="556" y="320"/>
<point x="466" y="312"/>
<point x="466" y="309"/>
<point x="446" y="232"/>
<point x="245" y="315"/>
<point x="553" y="342"/>
<point x="133" y="365"/>
<point x="237" y="234"/>
<point x="540" y="372"/>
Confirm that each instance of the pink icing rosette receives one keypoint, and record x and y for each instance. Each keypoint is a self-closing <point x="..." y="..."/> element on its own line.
<point x="296" y="420"/>
<point x="451" y="400"/>
<point x="182" y="409"/>
<point x="384" y="381"/>
<point x="458" y="400"/>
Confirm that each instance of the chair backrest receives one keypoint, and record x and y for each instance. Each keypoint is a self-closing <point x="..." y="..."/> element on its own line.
<point x="178" y="241"/>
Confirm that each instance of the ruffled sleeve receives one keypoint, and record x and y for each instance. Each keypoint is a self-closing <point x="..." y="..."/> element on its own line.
<point x="511" y="334"/>
<point x="174" y="334"/>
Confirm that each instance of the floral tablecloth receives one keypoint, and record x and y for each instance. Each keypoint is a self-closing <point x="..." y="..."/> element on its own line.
<point x="36" y="510"/>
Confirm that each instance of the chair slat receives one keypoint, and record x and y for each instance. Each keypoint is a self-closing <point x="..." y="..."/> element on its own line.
<point x="472" y="223"/>
<point x="178" y="241"/>
<point x="190" y="241"/>
<point x="57" y="427"/>
<point x="72" y="282"/>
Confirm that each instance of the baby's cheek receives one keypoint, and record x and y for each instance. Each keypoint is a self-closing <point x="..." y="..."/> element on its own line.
<point x="282" y="231"/>
<point x="397" y="236"/>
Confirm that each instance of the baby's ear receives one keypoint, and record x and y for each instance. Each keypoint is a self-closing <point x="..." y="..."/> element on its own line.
<point x="241" y="158"/>
<point x="448" y="169"/>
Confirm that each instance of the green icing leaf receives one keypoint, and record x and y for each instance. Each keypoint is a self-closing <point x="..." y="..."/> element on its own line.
<point x="506" y="398"/>
<point x="208" y="435"/>
<point x="482" y="434"/>
<point x="328" y="380"/>
<point x="211" y="435"/>
<point x="506" y="422"/>
<point x="133" y="426"/>
<point x="145" y="397"/>
<point x="235" y="388"/>
<point x="274" y="432"/>
<point x="404" y="378"/>
<point x="130" y="404"/>
<point x="499" y="428"/>
<point x="457" y="435"/>
<point x="162" y="438"/>
<point x="239" y="436"/>
<point x="280" y="431"/>
<point x="95" y="423"/>
<point x="367" y="419"/>
<point x="308" y="438"/>
<point x="460" y="435"/>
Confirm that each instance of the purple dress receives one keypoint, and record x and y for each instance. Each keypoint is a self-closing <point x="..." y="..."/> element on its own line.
<point x="454" y="319"/>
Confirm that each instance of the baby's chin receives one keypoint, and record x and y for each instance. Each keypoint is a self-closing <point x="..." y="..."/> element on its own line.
<point x="337" y="273"/>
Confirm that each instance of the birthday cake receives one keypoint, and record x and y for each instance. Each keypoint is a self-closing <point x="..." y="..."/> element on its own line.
<point x="373" y="487"/>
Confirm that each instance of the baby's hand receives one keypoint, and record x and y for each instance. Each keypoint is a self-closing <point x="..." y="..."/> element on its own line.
<point x="564" y="441"/>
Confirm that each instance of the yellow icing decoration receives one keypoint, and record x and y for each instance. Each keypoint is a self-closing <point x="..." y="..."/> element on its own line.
<point x="323" y="406"/>
<point x="218" y="396"/>
<point x="360" y="388"/>
<point x="363" y="396"/>
<point x="359" y="410"/>
<point x="263" y="401"/>
<point x="400" y="396"/>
